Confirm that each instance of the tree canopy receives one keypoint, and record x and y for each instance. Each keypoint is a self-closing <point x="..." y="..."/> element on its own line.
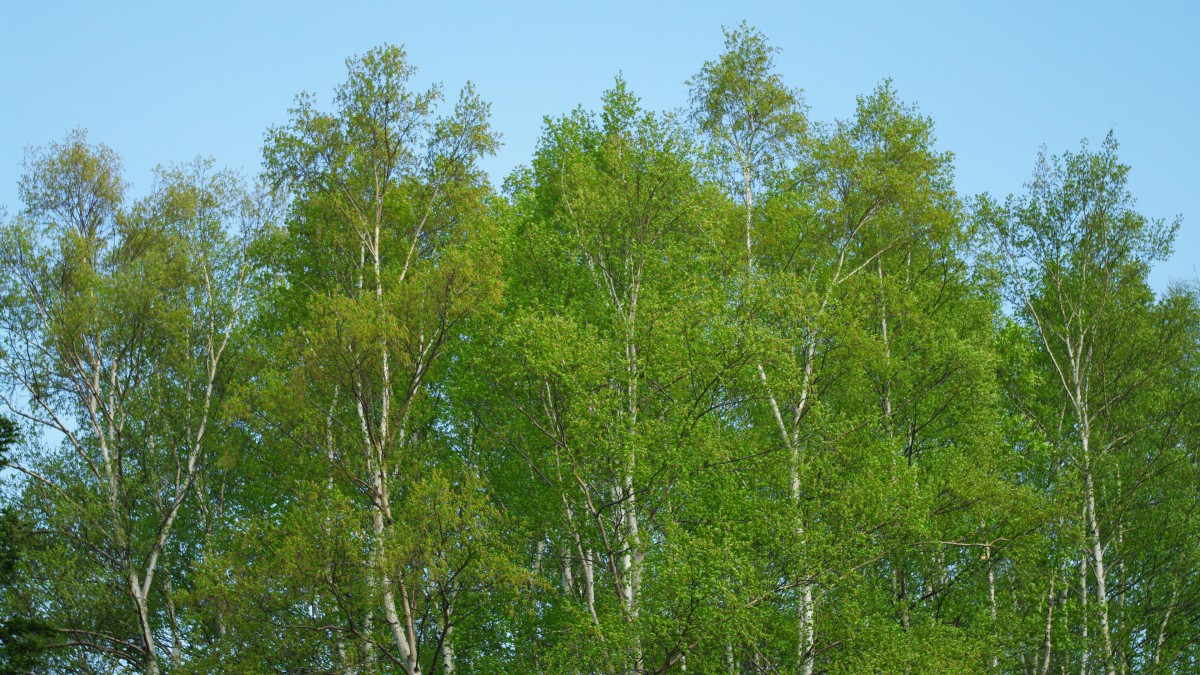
<point x="721" y="390"/>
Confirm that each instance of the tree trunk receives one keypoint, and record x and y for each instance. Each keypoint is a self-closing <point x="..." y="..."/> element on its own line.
<point x="1083" y="615"/>
<point x="632" y="561"/>
<point x="1048" y="644"/>
<point x="144" y="624"/>
<point x="1162" y="627"/>
<point x="408" y="653"/>
<point x="991" y="570"/>
<point x="1098" y="562"/>
<point x="447" y="642"/>
<point x="807" y="630"/>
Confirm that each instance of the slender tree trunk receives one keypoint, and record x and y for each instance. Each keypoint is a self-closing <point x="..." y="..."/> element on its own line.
<point x="538" y="552"/>
<point x="807" y="610"/>
<point x="1099" y="570"/>
<point x="382" y="514"/>
<point x="1162" y="627"/>
<point x="589" y="587"/>
<point x="1048" y="644"/>
<point x="408" y="652"/>
<point x="568" y="579"/>
<point x="807" y="630"/>
<point x="144" y="625"/>
<point x="1083" y="615"/>
<point x="991" y="570"/>
<point x="749" y="197"/>
<point x="369" y="627"/>
<point x="633" y="558"/>
<point x="805" y="606"/>
<point x="1064" y="616"/>
<point x="447" y="641"/>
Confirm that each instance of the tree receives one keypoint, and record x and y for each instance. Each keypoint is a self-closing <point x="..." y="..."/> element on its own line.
<point x="756" y="128"/>
<point x="383" y="263"/>
<point x="606" y="398"/>
<point x="1116" y="378"/>
<point x="113" y="332"/>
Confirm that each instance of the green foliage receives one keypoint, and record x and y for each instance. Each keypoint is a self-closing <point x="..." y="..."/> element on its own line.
<point x="723" y="391"/>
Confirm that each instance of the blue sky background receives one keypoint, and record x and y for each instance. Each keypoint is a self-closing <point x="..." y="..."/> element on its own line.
<point x="163" y="82"/>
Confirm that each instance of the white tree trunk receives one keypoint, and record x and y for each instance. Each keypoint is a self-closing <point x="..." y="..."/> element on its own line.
<point x="1098" y="563"/>
<point x="1162" y="627"/>
<point x="144" y="624"/>
<point x="992" y="602"/>
<point x="447" y="643"/>
<point x="1083" y="615"/>
<point x="408" y="652"/>
<point x="1048" y="644"/>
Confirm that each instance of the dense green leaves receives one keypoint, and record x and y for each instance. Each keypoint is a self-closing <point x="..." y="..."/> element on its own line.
<point x="723" y="391"/>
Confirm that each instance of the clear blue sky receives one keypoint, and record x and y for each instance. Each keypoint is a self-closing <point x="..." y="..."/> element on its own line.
<point x="163" y="82"/>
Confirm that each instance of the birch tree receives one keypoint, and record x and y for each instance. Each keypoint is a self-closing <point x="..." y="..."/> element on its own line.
<point x="1076" y="254"/>
<point x="756" y="127"/>
<point x="383" y="261"/>
<point x="613" y="396"/>
<point x="115" y="327"/>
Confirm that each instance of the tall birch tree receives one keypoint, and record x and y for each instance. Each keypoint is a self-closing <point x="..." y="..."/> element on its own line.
<point x="1076" y="254"/>
<point x="384" y="259"/>
<point x="114" y="332"/>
